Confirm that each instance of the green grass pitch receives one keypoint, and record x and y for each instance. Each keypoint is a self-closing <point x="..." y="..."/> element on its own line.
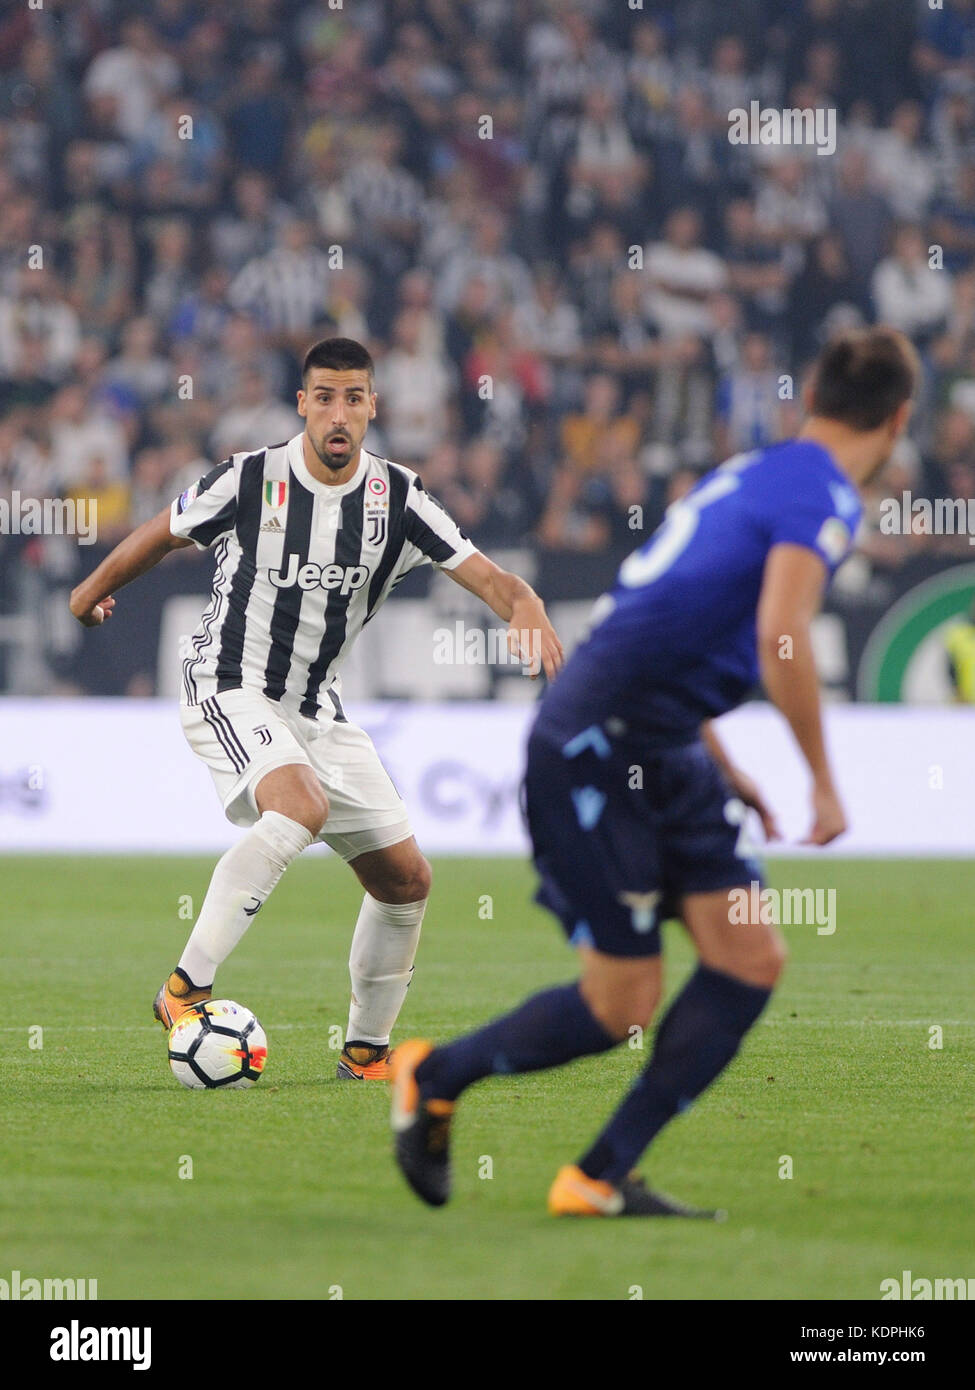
<point x="293" y="1190"/>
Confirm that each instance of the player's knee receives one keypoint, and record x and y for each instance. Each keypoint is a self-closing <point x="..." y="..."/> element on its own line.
<point x="422" y="880"/>
<point x="620" y="1009"/>
<point x="296" y="793"/>
<point x="407" y="882"/>
<point x="310" y="809"/>
<point x="774" y="960"/>
<point x="762" y="964"/>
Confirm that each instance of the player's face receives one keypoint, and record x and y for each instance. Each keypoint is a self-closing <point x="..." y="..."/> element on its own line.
<point x="337" y="408"/>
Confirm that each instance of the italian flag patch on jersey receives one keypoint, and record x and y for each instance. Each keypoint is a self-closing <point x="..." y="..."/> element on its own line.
<point x="275" y="493"/>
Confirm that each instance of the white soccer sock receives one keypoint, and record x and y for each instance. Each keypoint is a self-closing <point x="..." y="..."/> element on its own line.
<point x="381" y="964"/>
<point x="241" y="882"/>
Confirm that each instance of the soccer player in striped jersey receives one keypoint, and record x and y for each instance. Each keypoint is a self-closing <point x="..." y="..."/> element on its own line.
<point x="311" y="536"/>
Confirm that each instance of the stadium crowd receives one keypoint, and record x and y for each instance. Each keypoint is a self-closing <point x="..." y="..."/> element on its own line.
<point x="579" y="292"/>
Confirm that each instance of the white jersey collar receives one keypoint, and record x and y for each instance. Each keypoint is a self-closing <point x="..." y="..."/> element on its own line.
<point x="296" y="461"/>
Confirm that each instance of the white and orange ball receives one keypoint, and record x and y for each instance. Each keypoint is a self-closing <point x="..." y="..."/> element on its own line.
<point x="215" y="1044"/>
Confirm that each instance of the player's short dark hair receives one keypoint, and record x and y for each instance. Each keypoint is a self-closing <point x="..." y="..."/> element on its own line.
<point x="339" y="355"/>
<point x="863" y="376"/>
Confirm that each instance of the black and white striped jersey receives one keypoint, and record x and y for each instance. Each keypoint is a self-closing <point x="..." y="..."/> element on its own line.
<point x="301" y="566"/>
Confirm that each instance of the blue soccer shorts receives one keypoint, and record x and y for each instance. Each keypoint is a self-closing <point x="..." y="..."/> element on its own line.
<point x="619" y="838"/>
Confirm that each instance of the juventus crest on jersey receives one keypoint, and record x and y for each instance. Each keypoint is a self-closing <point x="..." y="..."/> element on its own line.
<point x="301" y="566"/>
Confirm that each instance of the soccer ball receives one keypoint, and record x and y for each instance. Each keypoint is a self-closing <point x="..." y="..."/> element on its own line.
<point x="217" y="1043"/>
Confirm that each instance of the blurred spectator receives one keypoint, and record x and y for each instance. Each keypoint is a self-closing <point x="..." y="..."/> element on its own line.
<point x="604" y="153"/>
<point x="903" y="169"/>
<point x="323" y="197"/>
<point x="907" y="292"/>
<point x="626" y="339"/>
<point x="414" y="388"/>
<point x="250" y="228"/>
<point x="789" y="209"/>
<point x="693" y="159"/>
<point x="629" y="511"/>
<point x="136" y="77"/>
<point x="258" y="122"/>
<point x="947" y="40"/>
<point x="953" y="221"/>
<point x="953" y="128"/>
<point x="595" y="264"/>
<point x="101" y="278"/>
<point x="600" y="424"/>
<point x="39" y="83"/>
<point x="548" y="322"/>
<point x="83" y="435"/>
<point x="682" y="276"/>
<point x="503" y="272"/>
<point x="575" y="515"/>
<point x="749" y="403"/>
<point x="415" y="291"/>
<point x="172" y="274"/>
<point x="951" y="354"/>
<point x="825" y="281"/>
<point x="188" y="140"/>
<point x="497" y="165"/>
<point x="952" y="454"/>
<point x="105" y="493"/>
<point x="729" y="83"/>
<point x="202" y="312"/>
<point x="253" y="413"/>
<point x="91" y="168"/>
<point x="161" y="473"/>
<point x="28" y="382"/>
<point x="757" y="271"/>
<point x="502" y="382"/>
<point x="493" y="505"/>
<point x="651" y="75"/>
<point x="39" y="312"/>
<point x="139" y="368"/>
<point x="385" y="202"/>
<point x="347" y="308"/>
<point x="287" y="290"/>
<point x="859" y="214"/>
<point x="243" y="348"/>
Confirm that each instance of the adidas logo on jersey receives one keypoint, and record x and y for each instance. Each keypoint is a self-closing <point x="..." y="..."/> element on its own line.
<point x="345" y="578"/>
<point x="273" y="525"/>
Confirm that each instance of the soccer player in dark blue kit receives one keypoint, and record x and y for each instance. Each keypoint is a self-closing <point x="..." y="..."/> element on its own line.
<point x="634" y="810"/>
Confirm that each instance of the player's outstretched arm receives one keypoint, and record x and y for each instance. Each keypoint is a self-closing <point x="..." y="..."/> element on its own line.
<point x="92" y="602"/>
<point x="530" y="634"/>
<point x="792" y="589"/>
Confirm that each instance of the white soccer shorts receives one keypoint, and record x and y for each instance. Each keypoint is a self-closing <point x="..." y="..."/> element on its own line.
<point x="241" y="736"/>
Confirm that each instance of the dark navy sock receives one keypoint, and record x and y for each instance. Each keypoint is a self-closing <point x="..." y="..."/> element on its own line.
<point x="697" y="1038"/>
<point x="547" y="1030"/>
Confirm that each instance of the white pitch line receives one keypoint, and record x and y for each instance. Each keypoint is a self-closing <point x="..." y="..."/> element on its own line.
<point x="875" y="1022"/>
<point x="125" y="1027"/>
<point x="286" y="1027"/>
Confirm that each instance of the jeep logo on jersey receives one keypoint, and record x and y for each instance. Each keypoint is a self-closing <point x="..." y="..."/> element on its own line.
<point x="345" y="578"/>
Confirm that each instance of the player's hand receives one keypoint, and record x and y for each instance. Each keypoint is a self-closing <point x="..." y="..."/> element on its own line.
<point x="529" y="627"/>
<point x="91" y="614"/>
<point x="748" y="791"/>
<point x="829" y="819"/>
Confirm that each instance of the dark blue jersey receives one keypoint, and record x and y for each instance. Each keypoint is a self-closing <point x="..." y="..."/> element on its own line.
<point x="674" y="642"/>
